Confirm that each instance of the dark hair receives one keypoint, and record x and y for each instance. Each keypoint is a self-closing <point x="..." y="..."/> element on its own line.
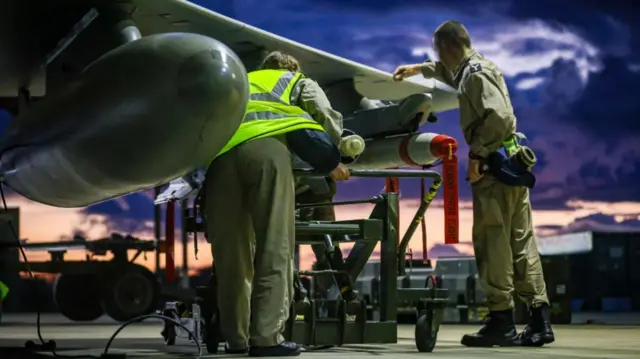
<point x="280" y="61"/>
<point x="452" y="33"/>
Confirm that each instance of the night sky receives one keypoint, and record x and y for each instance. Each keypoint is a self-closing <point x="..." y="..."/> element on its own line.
<point x="572" y="68"/>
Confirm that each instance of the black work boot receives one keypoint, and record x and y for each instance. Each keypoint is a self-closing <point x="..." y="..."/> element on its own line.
<point x="538" y="332"/>
<point x="498" y="330"/>
<point x="228" y="350"/>
<point x="284" y="349"/>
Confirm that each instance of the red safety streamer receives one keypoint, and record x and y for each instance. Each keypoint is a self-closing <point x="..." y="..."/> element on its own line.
<point x="450" y="196"/>
<point x="170" y="242"/>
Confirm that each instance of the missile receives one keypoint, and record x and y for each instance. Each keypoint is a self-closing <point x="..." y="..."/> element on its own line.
<point x="407" y="150"/>
<point x="143" y="114"/>
<point x="419" y="149"/>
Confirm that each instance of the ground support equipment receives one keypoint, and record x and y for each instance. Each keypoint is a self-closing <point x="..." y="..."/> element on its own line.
<point x="348" y="319"/>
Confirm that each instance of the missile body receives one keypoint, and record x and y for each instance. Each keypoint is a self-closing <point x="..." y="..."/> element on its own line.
<point x="407" y="150"/>
<point x="143" y="114"/>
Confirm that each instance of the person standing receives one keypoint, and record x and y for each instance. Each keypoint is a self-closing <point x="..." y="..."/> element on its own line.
<point x="249" y="203"/>
<point x="505" y="248"/>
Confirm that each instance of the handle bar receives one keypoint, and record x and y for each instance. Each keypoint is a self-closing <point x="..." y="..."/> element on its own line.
<point x="399" y="173"/>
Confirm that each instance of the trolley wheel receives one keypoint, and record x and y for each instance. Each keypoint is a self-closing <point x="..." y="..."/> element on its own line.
<point x="78" y="297"/>
<point x="130" y="293"/>
<point x="426" y="335"/>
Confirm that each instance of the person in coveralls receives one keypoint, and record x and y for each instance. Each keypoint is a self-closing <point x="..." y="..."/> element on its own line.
<point x="505" y="248"/>
<point x="249" y="202"/>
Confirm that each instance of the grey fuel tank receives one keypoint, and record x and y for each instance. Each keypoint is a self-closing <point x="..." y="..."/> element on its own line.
<point x="141" y="115"/>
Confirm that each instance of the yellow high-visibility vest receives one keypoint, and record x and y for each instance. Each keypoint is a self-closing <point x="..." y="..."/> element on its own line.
<point x="269" y="111"/>
<point x="4" y="291"/>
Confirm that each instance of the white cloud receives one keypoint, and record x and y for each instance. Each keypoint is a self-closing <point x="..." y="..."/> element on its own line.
<point x="529" y="83"/>
<point x="500" y="44"/>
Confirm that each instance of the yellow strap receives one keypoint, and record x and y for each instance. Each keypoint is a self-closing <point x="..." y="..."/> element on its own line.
<point x="512" y="143"/>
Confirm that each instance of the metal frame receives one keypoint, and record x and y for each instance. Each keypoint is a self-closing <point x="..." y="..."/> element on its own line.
<point x="118" y="245"/>
<point x="380" y="227"/>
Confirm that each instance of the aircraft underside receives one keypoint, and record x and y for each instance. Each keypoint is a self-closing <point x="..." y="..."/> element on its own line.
<point x="113" y="97"/>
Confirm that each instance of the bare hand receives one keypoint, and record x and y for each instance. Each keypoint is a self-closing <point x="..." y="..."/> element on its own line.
<point x="404" y="71"/>
<point x="473" y="171"/>
<point x="340" y="173"/>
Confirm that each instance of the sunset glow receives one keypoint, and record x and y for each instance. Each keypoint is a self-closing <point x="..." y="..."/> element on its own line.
<point x="41" y="223"/>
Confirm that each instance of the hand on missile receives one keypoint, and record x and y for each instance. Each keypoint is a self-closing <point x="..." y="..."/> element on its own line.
<point x="340" y="173"/>
<point x="178" y="189"/>
<point x="473" y="171"/>
<point x="404" y="71"/>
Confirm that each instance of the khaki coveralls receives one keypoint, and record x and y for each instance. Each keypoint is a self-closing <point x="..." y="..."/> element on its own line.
<point x="505" y="248"/>
<point x="250" y="218"/>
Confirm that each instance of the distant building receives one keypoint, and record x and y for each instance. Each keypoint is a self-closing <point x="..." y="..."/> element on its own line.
<point x="604" y="268"/>
<point x="564" y="244"/>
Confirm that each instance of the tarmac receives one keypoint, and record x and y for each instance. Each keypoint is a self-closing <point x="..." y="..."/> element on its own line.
<point x="618" y="340"/>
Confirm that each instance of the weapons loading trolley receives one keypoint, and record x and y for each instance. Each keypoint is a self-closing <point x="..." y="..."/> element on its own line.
<point x="308" y="324"/>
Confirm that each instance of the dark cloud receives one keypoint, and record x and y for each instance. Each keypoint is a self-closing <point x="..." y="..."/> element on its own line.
<point x="609" y="104"/>
<point x="594" y="223"/>
<point x="135" y="213"/>
<point x="612" y="25"/>
<point x="224" y="7"/>
<point x="564" y="87"/>
<point x="77" y="235"/>
<point x="394" y="49"/>
<point x="382" y="6"/>
<point x="135" y="206"/>
<point x="129" y="214"/>
<point x="602" y="181"/>
<point x="604" y="112"/>
<point x="542" y="161"/>
<point x="600" y="223"/>
<point x="545" y="203"/>
<point x="529" y="46"/>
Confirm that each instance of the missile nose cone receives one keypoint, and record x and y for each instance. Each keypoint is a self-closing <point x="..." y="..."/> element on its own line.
<point x="352" y="145"/>
<point x="443" y="146"/>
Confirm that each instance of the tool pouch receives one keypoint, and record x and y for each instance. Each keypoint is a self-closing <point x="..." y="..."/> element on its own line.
<point x="514" y="171"/>
<point x="525" y="158"/>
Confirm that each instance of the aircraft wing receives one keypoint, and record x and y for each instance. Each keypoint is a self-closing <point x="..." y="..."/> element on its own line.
<point x="161" y="16"/>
